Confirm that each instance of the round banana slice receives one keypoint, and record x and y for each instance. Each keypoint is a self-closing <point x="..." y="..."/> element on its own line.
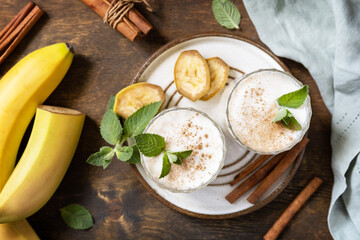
<point x="219" y="72"/>
<point x="192" y="75"/>
<point x="133" y="97"/>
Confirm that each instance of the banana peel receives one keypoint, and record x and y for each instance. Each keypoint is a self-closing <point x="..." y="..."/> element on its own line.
<point x="25" y="86"/>
<point x="22" y="89"/>
<point x="42" y="166"/>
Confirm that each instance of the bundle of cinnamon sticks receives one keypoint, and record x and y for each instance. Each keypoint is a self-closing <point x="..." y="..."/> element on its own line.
<point x="267" y="175"/>
<point x="133" y="24"/>
<point x="17" y="28"/>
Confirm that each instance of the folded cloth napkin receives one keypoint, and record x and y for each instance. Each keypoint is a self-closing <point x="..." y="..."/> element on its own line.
<point x="324" y="35"/>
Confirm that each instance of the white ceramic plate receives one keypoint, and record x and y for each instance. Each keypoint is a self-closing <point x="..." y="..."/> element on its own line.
<point x="243" y="56"/>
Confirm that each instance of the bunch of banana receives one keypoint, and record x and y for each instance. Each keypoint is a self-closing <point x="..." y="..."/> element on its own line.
<point x="198" y="78"/>
<point x="25" y="86"/>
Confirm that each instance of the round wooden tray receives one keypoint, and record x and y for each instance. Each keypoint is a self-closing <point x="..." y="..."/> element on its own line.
<point x="243" y="56"/>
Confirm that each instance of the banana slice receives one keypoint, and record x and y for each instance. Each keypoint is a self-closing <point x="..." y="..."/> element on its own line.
<point x="133" y="97"/>
<point x="219" y="72"/>
<point x="192" y="75"/>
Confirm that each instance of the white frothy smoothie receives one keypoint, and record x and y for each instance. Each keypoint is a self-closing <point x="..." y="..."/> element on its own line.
<point x="252" y="106"/>
<point x="186" y="129"/>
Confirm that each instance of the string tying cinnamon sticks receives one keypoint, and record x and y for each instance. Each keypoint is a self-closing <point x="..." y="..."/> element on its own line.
<point x="122" y="15"/>
<point x="119" y="8"/>
<point x="17" y="28"/>
<point x="290" y="211"/>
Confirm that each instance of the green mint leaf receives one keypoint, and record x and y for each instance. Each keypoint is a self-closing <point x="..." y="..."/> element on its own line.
<point x="287" y="119"/>
<point x="77" y="217"/>
<point x="172" y="157"/>
<point x="290" y="122"/>
<point x="123" y="153"/>
<point x="137" y="122"/>
<point x="135" y="157"/>
<point x="150" y="145"/>
<point x="282" y="112"/>
<point x="294" y="99"/>
<point x="110" y="127"/>
<point x="166" y="167"/>
<point x="184" y="154"/>
<point x="101" y="158"/>
<point x="180" y="156"/>
<point x="111" y="103"/>
<point x="106" y="163"/>
<point x="226" y="13"/>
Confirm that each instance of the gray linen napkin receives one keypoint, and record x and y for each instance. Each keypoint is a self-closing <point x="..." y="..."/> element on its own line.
<point x="324" y="35"/>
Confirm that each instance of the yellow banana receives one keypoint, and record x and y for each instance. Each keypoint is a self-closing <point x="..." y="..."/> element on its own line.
<point x="20" y="230"/>
<point x="43" y="164"/>
<point x="22" y="89"/>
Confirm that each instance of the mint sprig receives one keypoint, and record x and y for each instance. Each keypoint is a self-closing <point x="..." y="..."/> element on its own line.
<point x="291" y="100"/>
<point x="77" y="217"/>
<point x="115" y="134"/>
<point x="226" y="13"/>
<point x="150" y="145"/>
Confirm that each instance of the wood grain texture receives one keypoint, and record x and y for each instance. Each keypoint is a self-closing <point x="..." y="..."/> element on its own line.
<point x="105" y="63"/>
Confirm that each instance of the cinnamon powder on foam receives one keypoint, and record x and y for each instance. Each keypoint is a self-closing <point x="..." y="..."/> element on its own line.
<point x="254" y="127"/>
<point x="187" y="130"/>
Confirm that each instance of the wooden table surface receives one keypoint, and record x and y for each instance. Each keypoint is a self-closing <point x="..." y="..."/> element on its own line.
<point x="105" y="62"/>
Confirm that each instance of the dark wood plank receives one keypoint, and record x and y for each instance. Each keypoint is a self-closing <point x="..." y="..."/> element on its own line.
<point x="105" y="63"/>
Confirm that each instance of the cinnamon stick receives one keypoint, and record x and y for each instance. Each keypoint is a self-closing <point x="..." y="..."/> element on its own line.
<point x="276" y="173"/>
<point x="249" y="169"/>
<point x="290" y="211"/>
<point x="19" y="28"/>
<point x="15" y="21"/>
<point x="8" y="26"/>
<point x="254" y="179"/>
<point x="140" y="21"/>
<point x="133" y="21"/>
<point x="17" y="31"/>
